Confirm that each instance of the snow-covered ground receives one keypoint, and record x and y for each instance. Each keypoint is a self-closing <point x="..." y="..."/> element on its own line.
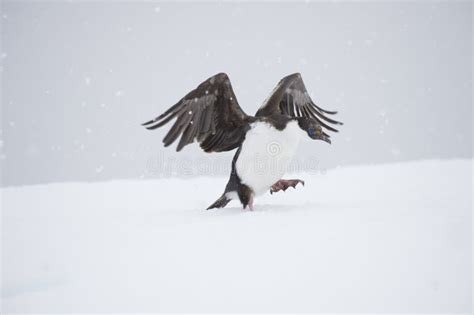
<point x="388" y="238"/>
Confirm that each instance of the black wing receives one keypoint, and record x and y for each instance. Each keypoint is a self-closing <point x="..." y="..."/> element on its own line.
<point x="210" y="114"/>
<point x="291" y="98"/>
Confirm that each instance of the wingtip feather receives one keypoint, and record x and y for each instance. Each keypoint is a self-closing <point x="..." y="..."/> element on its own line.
<point x="148" y="122"/>
<point x="153" y="127"/>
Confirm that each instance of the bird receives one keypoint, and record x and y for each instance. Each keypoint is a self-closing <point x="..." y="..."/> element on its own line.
<point x="265" y="143"/>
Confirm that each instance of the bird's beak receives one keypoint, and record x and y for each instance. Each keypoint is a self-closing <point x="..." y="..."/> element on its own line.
<point x="322" y="136"/>
<point x="326" y="139"/>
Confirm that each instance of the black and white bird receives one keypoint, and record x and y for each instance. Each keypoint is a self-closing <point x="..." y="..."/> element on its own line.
<point x="265" y="143"/>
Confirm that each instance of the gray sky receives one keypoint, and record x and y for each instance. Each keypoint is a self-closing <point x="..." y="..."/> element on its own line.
<point x="78" y="78"/>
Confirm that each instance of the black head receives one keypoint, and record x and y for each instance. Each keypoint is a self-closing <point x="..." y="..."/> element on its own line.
<point x="313" y="129"/>
<point x="245" y="194"/>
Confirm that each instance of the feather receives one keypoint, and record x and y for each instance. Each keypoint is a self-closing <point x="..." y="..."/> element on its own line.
<point x="290" y="97"/>
<point x="209" y="114"/>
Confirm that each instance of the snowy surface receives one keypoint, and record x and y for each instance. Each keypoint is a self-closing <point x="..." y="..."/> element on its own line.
<point x="389" y="238"/>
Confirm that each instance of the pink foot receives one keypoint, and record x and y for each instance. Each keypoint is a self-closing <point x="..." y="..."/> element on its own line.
<point x="250" y="204"/>
<point x="283" y="184"/>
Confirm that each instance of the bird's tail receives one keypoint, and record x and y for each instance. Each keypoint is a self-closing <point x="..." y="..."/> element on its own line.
<point x="219" y="203"/>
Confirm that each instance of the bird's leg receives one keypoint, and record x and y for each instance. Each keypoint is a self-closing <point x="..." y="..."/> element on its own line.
<point x="250" y="204"/>
<point x="283" y="184"/>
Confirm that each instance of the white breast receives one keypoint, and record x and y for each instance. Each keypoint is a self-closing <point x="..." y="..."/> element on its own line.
<point x="266" y="153"/>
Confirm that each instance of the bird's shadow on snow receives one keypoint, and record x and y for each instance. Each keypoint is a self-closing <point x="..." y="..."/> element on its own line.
<point x="44" y="283"/>
<point x="263" y="208"/>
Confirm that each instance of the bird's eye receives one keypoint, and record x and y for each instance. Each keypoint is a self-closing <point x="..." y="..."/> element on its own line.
<point x="311" y="132"/>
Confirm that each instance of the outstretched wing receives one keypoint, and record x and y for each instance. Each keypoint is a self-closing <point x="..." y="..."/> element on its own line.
<point x="209" y="114"/>
<point x="291" y="98"/>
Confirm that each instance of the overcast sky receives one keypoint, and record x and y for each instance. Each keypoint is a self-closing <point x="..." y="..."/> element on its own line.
<point x="78" y="78"/>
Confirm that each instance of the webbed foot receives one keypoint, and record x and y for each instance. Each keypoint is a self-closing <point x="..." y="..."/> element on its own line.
<point x="283" y="184"/>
